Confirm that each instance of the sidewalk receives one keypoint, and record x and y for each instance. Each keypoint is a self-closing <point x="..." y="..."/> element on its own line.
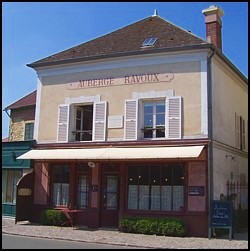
<point x="113" y="237"/>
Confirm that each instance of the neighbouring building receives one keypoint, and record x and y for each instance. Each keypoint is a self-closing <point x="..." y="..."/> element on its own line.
<point x="148" y="120"/>
<point x="20" y="141"/>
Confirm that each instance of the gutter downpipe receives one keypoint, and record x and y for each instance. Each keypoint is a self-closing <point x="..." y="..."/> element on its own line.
<point x="210" y="134"/>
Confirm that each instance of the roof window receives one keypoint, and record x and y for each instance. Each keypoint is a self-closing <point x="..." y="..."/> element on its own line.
<point x="149" y="41"/>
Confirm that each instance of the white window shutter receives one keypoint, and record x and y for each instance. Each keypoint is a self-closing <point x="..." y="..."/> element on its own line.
<point x="63" y="123"/>
<point x="99" y="122"/>
<point x="237" y="131"/>
<point x="173" y="117"/>
<point x="131" y="117"/>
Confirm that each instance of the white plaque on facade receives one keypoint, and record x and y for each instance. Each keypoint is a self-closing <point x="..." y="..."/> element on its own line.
<point x="115" y="121"/>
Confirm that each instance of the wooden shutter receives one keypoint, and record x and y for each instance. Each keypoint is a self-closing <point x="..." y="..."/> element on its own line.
<point x="237" y="131"/>
<point x="173" y="117"/>
<point x="63" y="123"/>
<point x="243" y="124"/>
<point x="131" y="115"/>
<point x="99" y="123"/>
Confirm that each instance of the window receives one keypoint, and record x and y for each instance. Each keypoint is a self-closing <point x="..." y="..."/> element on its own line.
<point x="84" y="123"/>
<point x="240" y="133"/>
<point x="9" y="181"/>
<point x="29" y="129"/>
<point x="154" y="119"/>
<point x="60" y="185"/>
<point x="83" y="186"/>
<point x="156" y="187"/>
<point x="149" y="41"/>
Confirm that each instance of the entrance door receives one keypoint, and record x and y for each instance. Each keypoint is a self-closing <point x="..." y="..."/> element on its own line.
<point x="110" y="196"/>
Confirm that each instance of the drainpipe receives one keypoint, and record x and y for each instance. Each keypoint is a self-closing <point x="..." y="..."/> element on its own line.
<point x="210" y="132"/>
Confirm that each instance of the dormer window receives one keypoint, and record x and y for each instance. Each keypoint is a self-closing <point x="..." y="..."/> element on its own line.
<point x="149" y="41"/>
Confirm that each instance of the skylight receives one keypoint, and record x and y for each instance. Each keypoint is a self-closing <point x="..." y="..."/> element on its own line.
<point x="149" y="41"/>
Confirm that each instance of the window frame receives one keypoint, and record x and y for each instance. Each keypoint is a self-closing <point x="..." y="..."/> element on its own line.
<point x="161" y="210"/>
<point x="29" y="137"/>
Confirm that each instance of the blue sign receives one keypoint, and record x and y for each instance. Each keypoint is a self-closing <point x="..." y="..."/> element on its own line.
<point x="221" y="214"/>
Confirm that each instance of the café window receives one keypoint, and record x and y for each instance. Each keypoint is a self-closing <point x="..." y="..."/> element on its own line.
<point x="83" y="186"/>
<point x="154" y="119"/>
<point x="156" y="187"/>
<point x="60" y="185"/>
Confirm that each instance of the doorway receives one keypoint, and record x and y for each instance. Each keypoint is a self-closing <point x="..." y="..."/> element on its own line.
<point x="109" y="204"/>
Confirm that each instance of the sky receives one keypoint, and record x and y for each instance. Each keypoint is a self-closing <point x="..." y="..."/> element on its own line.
<point x="35" y="30"/>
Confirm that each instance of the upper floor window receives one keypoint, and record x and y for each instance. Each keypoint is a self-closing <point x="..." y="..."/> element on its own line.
<point x="29" y="130"/>
<point x="83" y="123"/>
<point x="240" y="133"/>
<point x="154" y="119"/>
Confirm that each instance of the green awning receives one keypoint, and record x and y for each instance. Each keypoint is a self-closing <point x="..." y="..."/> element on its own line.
<point x="12" y="150"/>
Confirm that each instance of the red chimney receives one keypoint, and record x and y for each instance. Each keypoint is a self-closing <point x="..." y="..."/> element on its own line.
<point x="213" y="25"/>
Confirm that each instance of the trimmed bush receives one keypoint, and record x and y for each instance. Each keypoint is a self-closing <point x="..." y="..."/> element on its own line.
<point x="52" y="217"/>
<point x="157" y="226"/>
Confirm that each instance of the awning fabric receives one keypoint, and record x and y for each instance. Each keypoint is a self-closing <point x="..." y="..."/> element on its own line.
<point x="113" y="153"/>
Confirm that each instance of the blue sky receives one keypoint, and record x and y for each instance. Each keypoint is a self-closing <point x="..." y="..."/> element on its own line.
<point x="35" y="30"/>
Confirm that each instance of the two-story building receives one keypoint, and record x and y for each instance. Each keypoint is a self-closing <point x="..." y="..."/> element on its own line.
<point x="19" y="141"/>
<point x="148" y="120"/>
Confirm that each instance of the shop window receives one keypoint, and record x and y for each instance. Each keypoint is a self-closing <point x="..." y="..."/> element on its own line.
<point x="156" y="187"/>
<point x="83" y="186"/>
<point x="9" y="181"/>
<point x="29" y="130"/>
<point x="60" y="185"/>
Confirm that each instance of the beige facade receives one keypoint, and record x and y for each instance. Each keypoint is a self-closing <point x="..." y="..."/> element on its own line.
<point x="230" y="97"/>
<point x="184" y="79"/>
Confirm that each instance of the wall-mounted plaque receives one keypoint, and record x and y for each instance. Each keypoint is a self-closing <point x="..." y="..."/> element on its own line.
<point x="24" y="191"/>
<point x="196" y="191"/>
<point x="115" y="121"/>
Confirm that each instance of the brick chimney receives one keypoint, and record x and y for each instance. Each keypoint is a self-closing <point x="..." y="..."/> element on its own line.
<point x="213" y="25"/>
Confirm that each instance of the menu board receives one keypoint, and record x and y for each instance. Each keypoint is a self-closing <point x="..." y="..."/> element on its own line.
<point x="132" y="197"/>
<point x="166" y="195"/>
<point x="221" y="213"/>
<point x="177" y="197"/>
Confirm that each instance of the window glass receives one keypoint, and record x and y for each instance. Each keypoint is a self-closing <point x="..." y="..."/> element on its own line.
<point x="60" y="184"/>
<point x="83" y="185"/>
<point x="154" y="119"/>
<point x="29" y="129"/>
<point x="9" y="181"/>
<point x="84" y="123"/>
<point x="156" y="187"/>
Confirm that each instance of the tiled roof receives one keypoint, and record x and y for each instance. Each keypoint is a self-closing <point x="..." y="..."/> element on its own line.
<point x="28" y="100"/>
<point x="126" y="40"/>
<point x="5" y="139"/>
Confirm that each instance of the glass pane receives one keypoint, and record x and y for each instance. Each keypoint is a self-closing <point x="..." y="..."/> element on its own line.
<point x="111" y="201"/>
<point x="144" y="197"/>
<point x="132" y="196"/>
<point x="148" y="120"/>
<point x="78" y="124"/>
<point x="78" y="113"/>
<point x="160" y="132"/>
<point x="148" y="107"/>
<point x="160" y="119"/>
<point x="177" y="198"/>
<point x="166" y="198"/>
<point x="178" y="175"/>
<point x="160" y="107"/>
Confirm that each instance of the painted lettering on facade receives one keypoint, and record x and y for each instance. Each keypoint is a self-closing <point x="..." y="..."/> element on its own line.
<point x="132" y="79"/>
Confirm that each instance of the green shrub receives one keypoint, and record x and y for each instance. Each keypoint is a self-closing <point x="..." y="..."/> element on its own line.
<point x="52" y="217"/>
<point x="157" y="226"/>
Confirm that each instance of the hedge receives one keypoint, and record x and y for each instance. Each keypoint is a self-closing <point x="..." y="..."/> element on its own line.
<point x="157" y="226"/>
<point x="52" y="217"/>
